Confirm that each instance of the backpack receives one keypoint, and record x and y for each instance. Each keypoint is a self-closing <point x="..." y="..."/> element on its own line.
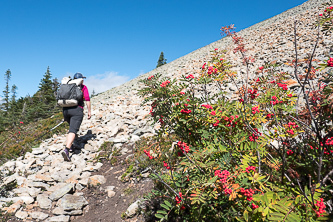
<point x="70" y="92"/>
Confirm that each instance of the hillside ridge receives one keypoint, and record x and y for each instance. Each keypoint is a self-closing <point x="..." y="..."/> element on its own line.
<point x="49" y="189"/>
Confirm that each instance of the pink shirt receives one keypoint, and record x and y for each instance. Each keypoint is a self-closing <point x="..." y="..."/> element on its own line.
<point x="85" y="94"/>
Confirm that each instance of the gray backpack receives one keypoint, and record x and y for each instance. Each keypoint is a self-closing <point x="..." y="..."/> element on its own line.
<point x="70" y="92"/>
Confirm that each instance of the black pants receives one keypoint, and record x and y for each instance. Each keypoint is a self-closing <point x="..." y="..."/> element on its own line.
<point x="74" y="117"/>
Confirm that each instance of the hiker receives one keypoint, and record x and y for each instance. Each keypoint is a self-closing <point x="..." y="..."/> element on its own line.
<point x="74" y="116"/>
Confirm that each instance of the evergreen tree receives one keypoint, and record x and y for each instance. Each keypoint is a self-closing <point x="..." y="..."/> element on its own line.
<point x="13" y="109"/>
<point x="161" y="60"/>
<point x="55" y="86"/>
<point x="13" y="91"/>
<point x="93" y="93"/>
<point x="8" y="75"/>
<point x="46" y="88"/>
<point x="42" y="103"/>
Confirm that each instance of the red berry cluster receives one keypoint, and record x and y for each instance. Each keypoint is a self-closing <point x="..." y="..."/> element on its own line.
<point x="185" y="111"/>
<point x="249" y="168"/>
<point x="183" y="146"/>
<point x="166" y="165"/>
<point x="283" y="86"/>
<point x="216" y="123"/>
<point x="291" y="126"/>
<point x="255" y="110"/>
<point x="227" y="190"/>
<point x="164" y="84"/>
<point x="248" y="193"/>
<point x="330" y="62"/>
<point x="269" y="115"/>
<point x="253" y="206"/>
<point x="178" y="200"/>
<point x="148" y="154"/>
<point x="223" y="175"/>
<point x="275" y="101"/>
<point x="161" y="120"/>
<point x="153" y="105"/>
<point x="150" y="77"/>
<point x="253" y="93"/>
<point x="290" y="152"/>
<point x="189" y="76"/>
<point x="211" y="70"/>
<point x="229" y="121"/>
<point x="321" y="206"/>
<point x="255" y="135"/>
<point x="207" y="106"/>
<point x="329" y="141"/>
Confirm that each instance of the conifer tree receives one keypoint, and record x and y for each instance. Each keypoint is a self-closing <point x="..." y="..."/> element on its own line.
<point x="43" y="102"/>
<point x="46" y="88"/>
<point x="93" y="93"/>
<point x="8" y="75"/>
<point x="161" y="60"/>
<point x="13" y="105"/>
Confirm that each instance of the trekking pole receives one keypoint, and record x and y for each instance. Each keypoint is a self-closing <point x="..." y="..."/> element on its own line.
<point x="51" y="129"/>
<point x="58" y="125"/>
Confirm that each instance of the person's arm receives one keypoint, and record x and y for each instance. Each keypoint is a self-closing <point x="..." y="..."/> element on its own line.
<point x="89" y="109"/>
<point x="87" y="99"/>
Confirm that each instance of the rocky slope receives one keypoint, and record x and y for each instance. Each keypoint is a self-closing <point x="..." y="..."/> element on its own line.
<point x="50" y="189"/>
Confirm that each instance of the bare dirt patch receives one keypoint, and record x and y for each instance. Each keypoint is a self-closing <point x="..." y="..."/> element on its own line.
<point x="104" y="208"/>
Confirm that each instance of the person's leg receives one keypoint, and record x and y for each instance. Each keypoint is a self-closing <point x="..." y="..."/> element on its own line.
<point x="74" y="126"/>
<point x="67" y="118"/>
<point x="70" y="139"/>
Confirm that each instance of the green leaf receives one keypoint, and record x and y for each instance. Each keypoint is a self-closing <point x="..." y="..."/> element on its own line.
<point x="266" y="199"/>
<point x="165" y="207"/>
<point x="280" y="209"/>
<point x="245" y="180"/>
<point x="167" y="203"/>
<point x="159" y="216"/>
<point x="277" y="215"/>
<point x="161" y="212"/>
<point x="294" y="217"/>
<point x="246" y="215"/>
<point x="213" y="180"/>
<point x="323" y="218"/>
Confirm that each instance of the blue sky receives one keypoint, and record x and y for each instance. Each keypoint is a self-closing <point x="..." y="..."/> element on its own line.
<point x="111" y="42"/>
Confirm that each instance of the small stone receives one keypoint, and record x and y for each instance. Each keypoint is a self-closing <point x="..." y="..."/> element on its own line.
<point x="60" y="218"/>
<point x="111" y="193"/>
<point x="96" y="180"/>
<point x="78" y="186"/>
<point x="70" y="202"/>
<point x="27" y="199"/>
<point x="61" y="211"/>
<point x="37" y="151"/>
<point x="43" y="201"/>
<point x="14" y="207"/>
<point x="21" y="215"/>
<point x="39" y="185"/>
<point x="57" y="194"/>
<point x="38" y="215"/>
<point x="145" y="175"/>
<point x="133" y="208"/>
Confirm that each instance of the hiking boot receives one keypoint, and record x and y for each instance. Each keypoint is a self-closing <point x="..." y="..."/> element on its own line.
<point x="65" y="155"/>
<point x="71" y="150"/>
